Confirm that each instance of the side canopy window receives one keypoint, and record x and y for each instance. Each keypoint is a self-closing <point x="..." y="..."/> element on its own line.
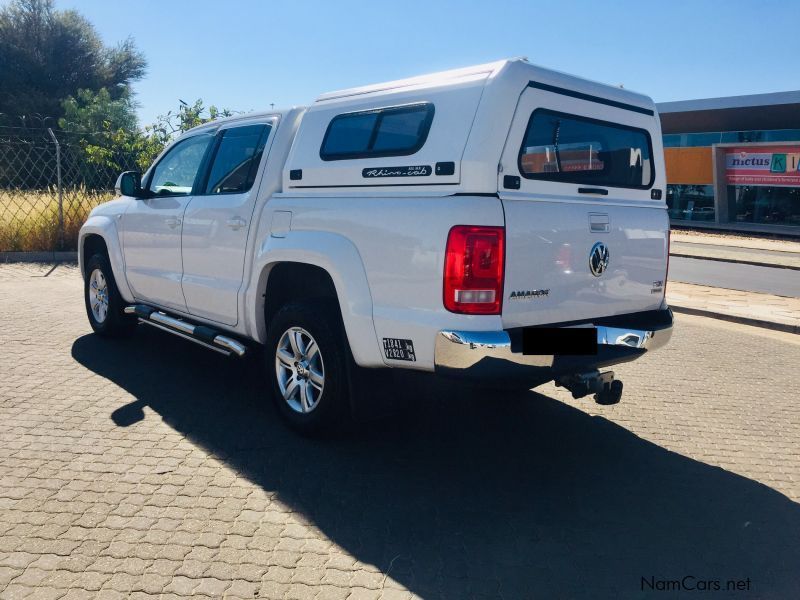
<point x="573" y="149"/>
<point x="236" y="159"/>
<point x="393" y="131"/>
<point x="174" y="175"/>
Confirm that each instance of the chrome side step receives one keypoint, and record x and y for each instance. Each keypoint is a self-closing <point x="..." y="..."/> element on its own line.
<point x="199" y="334"/>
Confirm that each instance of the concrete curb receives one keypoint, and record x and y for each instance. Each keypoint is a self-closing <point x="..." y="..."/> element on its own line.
<point x="785" y="327"/>
<point x="38" y="257"/>
<point x="734" y="260"/>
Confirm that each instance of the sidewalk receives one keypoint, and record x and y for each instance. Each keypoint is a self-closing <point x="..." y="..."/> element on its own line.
<point x="749" y="308"/>
<point x="735" y="248"/>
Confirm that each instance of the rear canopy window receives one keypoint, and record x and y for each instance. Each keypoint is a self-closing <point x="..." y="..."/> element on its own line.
<point x="393" y="131"/>
<point x="562" y="147"/>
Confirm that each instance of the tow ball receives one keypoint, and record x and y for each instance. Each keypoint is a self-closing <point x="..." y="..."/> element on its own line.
<point x="605" y="388"/>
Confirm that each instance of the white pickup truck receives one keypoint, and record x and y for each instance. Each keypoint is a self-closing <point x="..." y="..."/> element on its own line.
<point x="504" y="223"/>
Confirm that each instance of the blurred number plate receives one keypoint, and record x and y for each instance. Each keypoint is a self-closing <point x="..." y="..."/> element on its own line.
<point x="566" y="341"/>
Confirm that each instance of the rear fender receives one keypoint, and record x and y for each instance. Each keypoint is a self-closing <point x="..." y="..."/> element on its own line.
<point x="339" y="257"/>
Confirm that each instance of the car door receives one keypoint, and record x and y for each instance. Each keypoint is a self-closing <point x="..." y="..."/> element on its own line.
<point x="151" y="227"/>
<point x="218" y="218"/>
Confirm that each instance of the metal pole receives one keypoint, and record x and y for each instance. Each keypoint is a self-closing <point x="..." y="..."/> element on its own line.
<point x="60" y="191"/>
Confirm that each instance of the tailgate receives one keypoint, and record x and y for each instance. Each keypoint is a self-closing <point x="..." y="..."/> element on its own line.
<point x="549" y="255"/>
<point x="586" y="227"/>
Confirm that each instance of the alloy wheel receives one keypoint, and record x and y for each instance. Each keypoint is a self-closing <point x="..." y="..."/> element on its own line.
<point x="300" y="370"/>
<point x="98" y="295"/>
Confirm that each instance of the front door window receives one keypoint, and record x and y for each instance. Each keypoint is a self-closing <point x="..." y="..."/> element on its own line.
<point x="174" y="175"/>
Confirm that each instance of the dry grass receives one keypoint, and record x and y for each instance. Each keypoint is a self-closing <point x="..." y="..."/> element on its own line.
<point x="29" y="219"/>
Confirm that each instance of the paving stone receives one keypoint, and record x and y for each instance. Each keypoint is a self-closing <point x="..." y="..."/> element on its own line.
<point x="47" y="593"/>
<point x="212" y="587"/>
<point x="181" y="585"/>
<point x="242" y="589"/>
<point x="16" y="592"/>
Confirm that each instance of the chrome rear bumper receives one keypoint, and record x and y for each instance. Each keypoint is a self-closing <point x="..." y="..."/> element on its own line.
<point x="489" y="354"/>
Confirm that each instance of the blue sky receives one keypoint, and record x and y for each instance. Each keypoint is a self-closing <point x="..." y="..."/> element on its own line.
<point x="246" y="54"/>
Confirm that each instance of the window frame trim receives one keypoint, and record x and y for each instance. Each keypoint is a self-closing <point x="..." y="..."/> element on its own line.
<point x="545" y="177"/>
<point x="427" y="106"/>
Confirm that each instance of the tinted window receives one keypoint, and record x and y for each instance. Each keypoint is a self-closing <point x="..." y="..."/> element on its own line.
<point x="395" y="131"/>
<point x="400" y="130"/>
<point x="562" y="147"/>
<point x="690" y="202"/>
<point x="349" y="134"/>
<point x="675" y="140"/>
<point x="174" y="175"/>
<point x="236" y="159"/>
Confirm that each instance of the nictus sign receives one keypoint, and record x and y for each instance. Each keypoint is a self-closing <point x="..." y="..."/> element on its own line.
<point x="763" y="165"/>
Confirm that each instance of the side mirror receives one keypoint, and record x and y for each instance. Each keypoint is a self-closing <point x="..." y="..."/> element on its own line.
<point x="129" y="183"/>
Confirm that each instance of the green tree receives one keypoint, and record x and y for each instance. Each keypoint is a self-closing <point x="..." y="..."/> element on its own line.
<point x="48" y="55"/>
<point x="191" y="115"/>
<point x="89" y="112"/>
<point x="117" y="147"/>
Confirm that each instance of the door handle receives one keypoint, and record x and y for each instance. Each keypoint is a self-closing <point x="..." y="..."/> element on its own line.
<point x="236" y="223"/>
<point x="172" y="222"/>
<point x="599" y="222"/>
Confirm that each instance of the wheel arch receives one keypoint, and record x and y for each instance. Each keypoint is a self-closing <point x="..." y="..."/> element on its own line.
<point x="337" y="269"/>
<point x="287" y="281"/>
<point x="99" y="233"/>
<point x="92" y="244"/>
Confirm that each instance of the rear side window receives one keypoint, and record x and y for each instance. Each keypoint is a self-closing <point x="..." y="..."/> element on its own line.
<point x="562" y="147"/>
<point x="236" y="160"/>
<point x="393" y="131"/>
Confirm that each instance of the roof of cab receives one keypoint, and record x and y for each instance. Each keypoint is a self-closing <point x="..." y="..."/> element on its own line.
<point x="250" y="116"/>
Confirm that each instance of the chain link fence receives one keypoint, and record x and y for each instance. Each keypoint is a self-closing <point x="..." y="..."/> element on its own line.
<point x="48" y="185"/>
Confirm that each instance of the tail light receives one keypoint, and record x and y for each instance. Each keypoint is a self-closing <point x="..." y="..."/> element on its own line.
<point x="473" y="270"/>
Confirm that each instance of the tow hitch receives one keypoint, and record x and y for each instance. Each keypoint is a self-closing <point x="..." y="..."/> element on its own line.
<point x="605" y="388"/>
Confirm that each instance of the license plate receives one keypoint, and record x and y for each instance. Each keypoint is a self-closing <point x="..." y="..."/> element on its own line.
<point x="565" y="341"/>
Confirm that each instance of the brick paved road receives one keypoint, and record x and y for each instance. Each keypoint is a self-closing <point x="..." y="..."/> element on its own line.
<point x="151" y="467"/>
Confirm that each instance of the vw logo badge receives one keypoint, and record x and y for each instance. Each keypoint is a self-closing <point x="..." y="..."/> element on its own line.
<point x="598" y="259"/>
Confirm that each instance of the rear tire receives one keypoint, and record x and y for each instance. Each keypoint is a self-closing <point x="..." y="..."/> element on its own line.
<point x="104" y="304"/>
<point x="306" y="358"/>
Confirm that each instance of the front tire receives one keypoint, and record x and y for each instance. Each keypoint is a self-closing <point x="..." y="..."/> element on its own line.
<point x="104" y="304"/>
<point x="307" y="366"/>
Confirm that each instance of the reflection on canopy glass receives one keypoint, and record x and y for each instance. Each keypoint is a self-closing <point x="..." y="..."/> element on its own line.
<point x="573" y="149"/>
